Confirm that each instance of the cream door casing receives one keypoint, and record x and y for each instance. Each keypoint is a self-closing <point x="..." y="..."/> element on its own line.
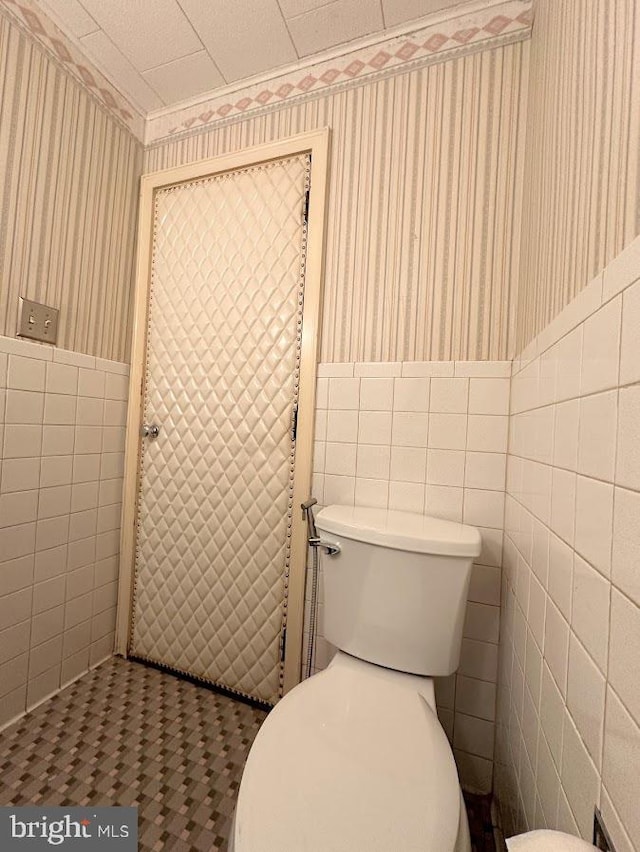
<point x="216" y="486"/>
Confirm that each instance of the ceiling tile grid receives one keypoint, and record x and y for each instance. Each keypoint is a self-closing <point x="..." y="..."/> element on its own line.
<point x="504" y="22"/>
<point x="335" y="23"/>
<point x="65" y="51"/>
<point x="400" y="11"/>
<point x="78" y="21"/>
<point x="183" y="78"/>
<point x="243" y="37"/>
<point x="105" y="54"/>
<point x="141" y="57"/>
<point x="148" y="32"/>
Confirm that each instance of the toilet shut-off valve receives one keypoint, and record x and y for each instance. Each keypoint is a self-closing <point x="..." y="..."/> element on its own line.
<point x="331" y="548"/>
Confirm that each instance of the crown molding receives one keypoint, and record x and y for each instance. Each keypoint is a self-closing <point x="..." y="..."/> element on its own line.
<point x="475" y="26"/>
<point x="447" y="34"/>
<point x="36" y="25"/>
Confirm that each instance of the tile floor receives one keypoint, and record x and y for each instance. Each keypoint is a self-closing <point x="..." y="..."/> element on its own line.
<point x="127" y="734"/>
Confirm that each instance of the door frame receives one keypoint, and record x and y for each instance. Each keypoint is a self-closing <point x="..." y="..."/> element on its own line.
<point x="315" y="143"/>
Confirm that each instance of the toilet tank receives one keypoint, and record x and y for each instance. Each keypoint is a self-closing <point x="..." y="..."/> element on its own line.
<point x="396" y="593"/>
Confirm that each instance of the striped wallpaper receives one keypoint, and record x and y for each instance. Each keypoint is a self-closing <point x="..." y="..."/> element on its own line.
<point x="424" y="187"/>
<point x="450" y="235"/>
<point x="68" y="201"/>
<point x="581" y="198"/>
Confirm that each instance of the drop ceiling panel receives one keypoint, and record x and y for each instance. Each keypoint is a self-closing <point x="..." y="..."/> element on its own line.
<point x="148" y="32"/>
<point x="242" y="38"/>
<point x="183" y="78"/>
<point x="291" y="8"/>
<point x="335" y="23"/>
<point x="161" y="52"/>
<point x="399" y="11"/>
<point x="71" y="16"/>
<point x="109" y="59"/>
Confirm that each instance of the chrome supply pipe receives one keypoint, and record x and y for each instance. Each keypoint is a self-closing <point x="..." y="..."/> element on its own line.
<point x="331" y="548"/>
<point x="313" y="540"/>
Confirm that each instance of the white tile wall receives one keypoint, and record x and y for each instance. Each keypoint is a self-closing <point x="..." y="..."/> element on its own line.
<point x="568" y="733"/>
<point x="428" y="437"/>
<point x="61" y="445"/>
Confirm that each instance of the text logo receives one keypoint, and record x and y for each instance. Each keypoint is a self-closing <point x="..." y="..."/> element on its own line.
<point x="32" y="828"/>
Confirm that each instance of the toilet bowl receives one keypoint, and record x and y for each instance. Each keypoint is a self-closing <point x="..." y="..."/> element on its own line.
<point x="354" y="758"/>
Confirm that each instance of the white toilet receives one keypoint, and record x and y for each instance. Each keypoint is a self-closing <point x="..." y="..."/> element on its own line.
<point x="354" y="758"/>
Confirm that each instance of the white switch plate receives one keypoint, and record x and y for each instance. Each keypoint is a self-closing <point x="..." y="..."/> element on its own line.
<point x="37" y="322"/>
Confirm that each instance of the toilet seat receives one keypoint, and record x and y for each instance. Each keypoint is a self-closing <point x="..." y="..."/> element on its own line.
<point x="352" y="759"/>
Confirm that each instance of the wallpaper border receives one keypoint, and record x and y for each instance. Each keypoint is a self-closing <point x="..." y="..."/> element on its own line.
<point x="505" y="23"/>
<point x="60" y="49"/>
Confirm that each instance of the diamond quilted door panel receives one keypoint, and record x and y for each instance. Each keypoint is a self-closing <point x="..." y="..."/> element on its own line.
<point x="214" y="505"/>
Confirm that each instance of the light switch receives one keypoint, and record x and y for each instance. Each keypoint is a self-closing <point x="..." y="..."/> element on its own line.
<point x="37" y="322"/>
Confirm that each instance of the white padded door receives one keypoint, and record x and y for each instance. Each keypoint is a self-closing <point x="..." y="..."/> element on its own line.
<point x="223" y="349"/>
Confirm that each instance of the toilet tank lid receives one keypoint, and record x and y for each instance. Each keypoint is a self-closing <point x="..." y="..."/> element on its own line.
<point x="401" y="530"/>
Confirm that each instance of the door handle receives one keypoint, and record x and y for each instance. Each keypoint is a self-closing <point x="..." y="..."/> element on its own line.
<point x="150" y="431"/>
